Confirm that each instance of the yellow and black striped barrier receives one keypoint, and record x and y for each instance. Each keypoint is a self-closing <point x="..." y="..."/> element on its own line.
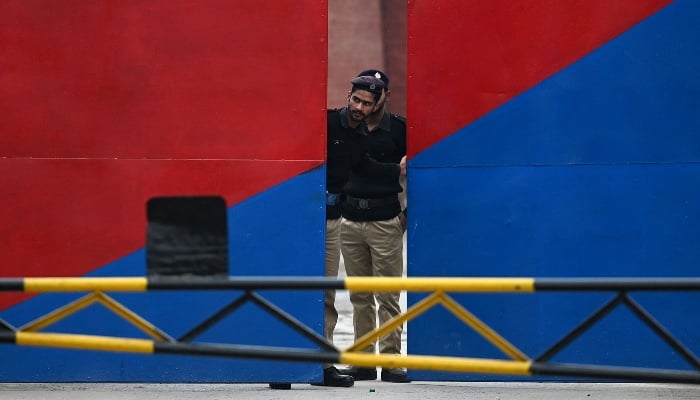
<point x="517" y="364"/>
<point x="417" y="284"/>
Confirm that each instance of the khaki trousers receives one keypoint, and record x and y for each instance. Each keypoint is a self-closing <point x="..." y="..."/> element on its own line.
<point x="330" y="314"/>
<point x="374" y="248"/>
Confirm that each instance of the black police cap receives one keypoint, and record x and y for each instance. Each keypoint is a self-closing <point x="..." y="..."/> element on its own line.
<point x="377" y="74"/>
<point x="368" y="83"/>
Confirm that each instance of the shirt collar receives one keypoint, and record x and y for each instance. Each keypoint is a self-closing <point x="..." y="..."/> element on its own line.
<point x="385" y="123"/>
<point x="344" y="118"/>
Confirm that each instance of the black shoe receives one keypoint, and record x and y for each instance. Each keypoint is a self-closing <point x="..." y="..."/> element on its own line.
<point x="395" y="375"/>
<point x="280" y="386"/>
<point x="360" y="374"/>
<point x="331" y="377"/>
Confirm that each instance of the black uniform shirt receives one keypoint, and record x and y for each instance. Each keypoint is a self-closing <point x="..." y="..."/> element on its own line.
<point x="347" y="149"/>
<point x="386" y="144"/>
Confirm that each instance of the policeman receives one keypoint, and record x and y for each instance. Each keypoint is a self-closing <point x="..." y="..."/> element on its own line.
<point x="347" y="150"/>
<point x="372" y="231"/>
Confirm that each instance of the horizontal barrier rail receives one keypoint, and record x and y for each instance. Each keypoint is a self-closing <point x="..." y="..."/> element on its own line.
<point x="518" y="363"/>
<point x="427" y="284"/>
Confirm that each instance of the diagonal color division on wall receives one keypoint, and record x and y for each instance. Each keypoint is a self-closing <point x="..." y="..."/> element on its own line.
<point x="107" y="104"/>
<point x="554" y="139"/>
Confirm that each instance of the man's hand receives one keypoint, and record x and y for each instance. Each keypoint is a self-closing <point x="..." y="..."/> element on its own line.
<point x="402" y="164"/>
<point x="402" y="219"/>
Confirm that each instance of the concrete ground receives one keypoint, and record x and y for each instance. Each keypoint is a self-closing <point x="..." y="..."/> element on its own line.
<point x="361" y="390"/>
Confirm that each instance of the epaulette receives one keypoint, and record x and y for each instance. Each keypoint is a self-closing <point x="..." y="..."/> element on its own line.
<point x="399" y="118"/>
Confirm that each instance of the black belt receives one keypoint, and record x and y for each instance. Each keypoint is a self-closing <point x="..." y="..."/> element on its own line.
<point x="366" y="204"/>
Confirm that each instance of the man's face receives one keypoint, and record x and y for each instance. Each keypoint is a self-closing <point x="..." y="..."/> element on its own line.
<point x="361" y="104"/>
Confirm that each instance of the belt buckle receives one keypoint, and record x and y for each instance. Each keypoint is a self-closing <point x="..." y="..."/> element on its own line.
<point x="364" y="204"/>
<point x="331" y="199"/>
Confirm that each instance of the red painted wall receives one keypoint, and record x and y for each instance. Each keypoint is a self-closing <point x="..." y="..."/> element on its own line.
<point x="105" y="104"/>
<point x="503" y="48"/>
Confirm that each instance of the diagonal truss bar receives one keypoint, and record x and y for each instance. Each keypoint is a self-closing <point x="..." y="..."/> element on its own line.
<point x="648" y="319"/>
<point x="483" y="329"/>
<point x="59" y="313"/>
<point x="581" y="328"/>
<point x="4" y="326"/>
<point x="214" y="319"/>
<point x="131" y="317"/>
<point x="415" y="310"/>
<point x="456" y="309"/>
<point x="292" y="322"/>
<point x="88" y="300"/>
<point x="265" y="305"/>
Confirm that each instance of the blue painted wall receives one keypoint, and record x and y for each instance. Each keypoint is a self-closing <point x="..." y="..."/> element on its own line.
<point x="258" y="246"/>
<point x="592" y="172"/>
